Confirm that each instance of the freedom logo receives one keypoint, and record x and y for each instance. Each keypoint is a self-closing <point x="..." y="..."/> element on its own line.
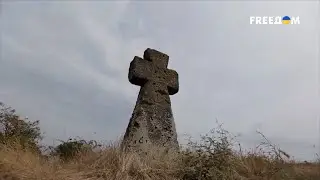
<point x="274" y="20"/>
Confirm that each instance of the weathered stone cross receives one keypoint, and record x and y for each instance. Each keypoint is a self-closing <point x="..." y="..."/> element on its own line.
<point x="152" y="122"/>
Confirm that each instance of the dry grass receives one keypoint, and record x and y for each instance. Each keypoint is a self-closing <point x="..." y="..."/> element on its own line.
<point x="212" y="158"/>
<point x="111" y="164"/>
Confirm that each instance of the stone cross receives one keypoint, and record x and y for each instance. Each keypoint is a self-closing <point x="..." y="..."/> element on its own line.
<point x="152" y="122"/>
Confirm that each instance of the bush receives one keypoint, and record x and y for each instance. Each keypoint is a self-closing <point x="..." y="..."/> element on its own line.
<point x="13" y="129"/>
<point x="211" y="158"/>
<point x="72" y="148"/>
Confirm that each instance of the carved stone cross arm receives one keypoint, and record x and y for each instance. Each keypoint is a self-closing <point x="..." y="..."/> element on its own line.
<point x="172" y="81"/>
<point x="142" y="71"/>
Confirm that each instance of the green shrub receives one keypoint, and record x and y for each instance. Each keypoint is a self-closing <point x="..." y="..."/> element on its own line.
<point x="70" y="149"/>
<point x="15" y="130"/>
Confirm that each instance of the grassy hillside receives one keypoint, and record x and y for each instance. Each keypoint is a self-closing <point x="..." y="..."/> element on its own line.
<point x="212" y="158"/>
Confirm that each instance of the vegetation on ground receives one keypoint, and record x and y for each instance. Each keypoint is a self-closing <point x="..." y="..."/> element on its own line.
<point x="212" y="158"/>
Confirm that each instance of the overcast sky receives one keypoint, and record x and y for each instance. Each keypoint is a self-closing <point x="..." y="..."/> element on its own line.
<point x="66" y="64"/>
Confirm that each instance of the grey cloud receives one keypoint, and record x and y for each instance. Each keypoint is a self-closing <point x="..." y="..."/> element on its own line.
<point x="78" y="109"/>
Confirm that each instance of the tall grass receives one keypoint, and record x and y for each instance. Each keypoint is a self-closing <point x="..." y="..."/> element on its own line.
<point x="210" y="159"/>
